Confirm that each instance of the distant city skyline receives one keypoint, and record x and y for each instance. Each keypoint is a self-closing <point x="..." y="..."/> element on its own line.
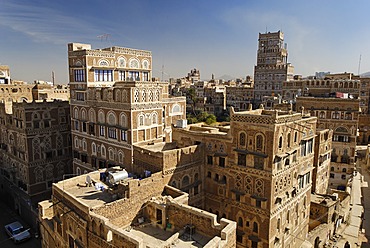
<point x="217" y="38"/>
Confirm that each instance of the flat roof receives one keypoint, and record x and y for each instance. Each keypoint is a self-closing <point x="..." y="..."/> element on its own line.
<point x="157" y="237"/>
<point x="88" y="195"/>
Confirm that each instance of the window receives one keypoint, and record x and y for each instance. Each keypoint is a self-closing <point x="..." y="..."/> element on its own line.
<point x="79" y="75"/>
<point x="288" y="139"/>
<point x="209" y="160"/>
<point x="185" y="181"/>
<point x="124" y="135"/>
<point x="280" y="142"/>
<point x="259" y="143"/>
<point x="112" y="133"/>
<point x="335" y="115"/>
<point x="145" y="76"/>
<point x="344" y="177"/>
<point x="221" y="161"/>
<point x="141" y="120"/>
<point x="134" y="75"/>
<point x="255" y="227"/>
<point x="242" y="159"/>
<point x="240" y="222"/>
<point x="121" y="75"/>
<point x="242" y="139"/>
<point x="103" y="75"/>
<point x="102" y="131"/>
<point x="258" y="203"/>
<point x="259" y="162"/>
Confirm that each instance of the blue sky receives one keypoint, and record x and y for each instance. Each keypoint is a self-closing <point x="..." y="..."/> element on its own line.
<point x="218" y="37"/>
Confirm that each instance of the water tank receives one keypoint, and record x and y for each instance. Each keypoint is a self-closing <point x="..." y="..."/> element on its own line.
<point x="115" y="177"/>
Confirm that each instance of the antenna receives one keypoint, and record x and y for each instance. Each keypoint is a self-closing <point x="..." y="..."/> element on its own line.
<point x="359" y="66"/>
<point x="53" y="77"/>
<point x="105" y="37"/>
<point x="162" y="71"/>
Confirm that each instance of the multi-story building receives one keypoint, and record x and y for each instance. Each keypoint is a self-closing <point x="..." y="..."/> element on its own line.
<point x="258" y="173"/>
<point x="4" y="74"/>
<point x="272" y="67"/>
<point x="340" y="115"/>
<point x="35" y="152"/>
<point x="115" y="105"/>
<point x="239" y="97"/>
<point x="321" y="87"/>
<point x="137" y="208"/>
<point x="321" y="170"/>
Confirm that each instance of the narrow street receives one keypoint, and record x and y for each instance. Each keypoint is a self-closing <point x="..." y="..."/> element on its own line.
<point x="366" y="204"/>
<point x="8" y="216"/>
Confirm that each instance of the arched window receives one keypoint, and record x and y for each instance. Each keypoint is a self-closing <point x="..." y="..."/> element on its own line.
<point x="103" y="63"/>
<point x="120" y="157"/>
<point x="240" y="222"/>
<point x="93" y="148"/>
<point x="92" y="115"/>
<point x="185" y="181"/>
<point x="255" y="227"/>
<point x="101" y="117"/>
<point x="242" y="138"/>
<point x="141" y="120"/>
<point x="154" y="118"/>
<point x="288" y="138"/>
<point x="259" y="142"/>
<point x="75" y="113"/>
<point x="123" y="120"/>
<point x="111" y="119"/>
<point x="280" y="142"/>
<point x="145" y="64"/>
<point x="134" y="63"/>
<point x="176" y="109"/>
<point x="111" y="154"/>
<point x="173" y="184"/>
<point x="121" y="62"/>
<point x="103" y="151"/>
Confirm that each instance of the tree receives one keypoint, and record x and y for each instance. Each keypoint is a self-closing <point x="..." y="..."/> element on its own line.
<point x="211" y="119"/>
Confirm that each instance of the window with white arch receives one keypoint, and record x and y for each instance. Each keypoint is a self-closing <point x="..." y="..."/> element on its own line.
<point x="103" y="63"/>
<point x="176" y="109"/>
<point x="141" y="120"/>
<point x="93" y="148"/>
<point x="120" y="157"/>
<point x="111" y="118"/>
<point x="121" y="62"/>
<point x="145" y="64"/>
<point x="103" y="151"/>
<point x="154" y="118"/>
<point x="123" y="120"/>
<point x="134" y="63"/>
<point x="101" y="118"/>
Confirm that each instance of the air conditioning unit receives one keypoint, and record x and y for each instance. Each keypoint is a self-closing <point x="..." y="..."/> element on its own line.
<point x="182" y="123"/>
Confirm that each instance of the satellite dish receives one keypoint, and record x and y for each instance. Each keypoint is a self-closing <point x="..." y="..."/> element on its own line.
<point x="88" y="180"/>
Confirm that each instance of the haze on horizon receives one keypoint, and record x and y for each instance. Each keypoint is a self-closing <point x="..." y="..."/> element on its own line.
<point x="215" y="37"/>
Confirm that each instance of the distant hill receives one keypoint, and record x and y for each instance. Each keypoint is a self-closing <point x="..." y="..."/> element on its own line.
<point x="365" y="74"/>
<point x="226" y="77"/>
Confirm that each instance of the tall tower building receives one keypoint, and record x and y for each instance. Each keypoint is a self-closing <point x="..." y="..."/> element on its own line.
<point x="272" y="66"/>
<point x="115" y="105"/>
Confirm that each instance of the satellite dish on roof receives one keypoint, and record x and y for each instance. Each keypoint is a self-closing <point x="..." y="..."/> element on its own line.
<point x="88" y="180"/>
